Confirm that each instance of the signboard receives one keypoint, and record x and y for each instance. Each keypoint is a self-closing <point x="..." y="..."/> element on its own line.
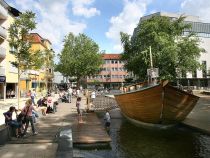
<point x="153" y="72"/>
<point x="2" y="79"/>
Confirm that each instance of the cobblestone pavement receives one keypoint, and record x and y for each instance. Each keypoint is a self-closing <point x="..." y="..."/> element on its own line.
<point x="102" y="103"/>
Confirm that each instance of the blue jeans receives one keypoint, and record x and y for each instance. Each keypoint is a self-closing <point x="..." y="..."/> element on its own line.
<point x="32" y="99"/>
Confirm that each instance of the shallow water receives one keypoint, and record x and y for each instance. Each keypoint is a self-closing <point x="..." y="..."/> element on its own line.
<point x="129" y="141"/>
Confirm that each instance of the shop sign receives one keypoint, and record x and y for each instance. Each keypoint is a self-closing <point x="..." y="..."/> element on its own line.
<point x="2" y="79"/>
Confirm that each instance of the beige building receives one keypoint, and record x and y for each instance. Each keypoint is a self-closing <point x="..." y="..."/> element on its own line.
<point x="112" y="74"/>
<point x="8" y="73"/>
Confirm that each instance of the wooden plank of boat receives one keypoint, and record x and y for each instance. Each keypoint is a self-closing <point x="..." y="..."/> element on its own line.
<point x="144" y="105"/>
<point x="177" y="104"/>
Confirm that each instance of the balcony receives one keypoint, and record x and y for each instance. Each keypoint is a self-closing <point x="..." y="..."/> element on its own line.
<point x="2" y="52"/>
<point x="3" y="33"/>
<point x="2" y="71"/>
<point x="3" y="13"/>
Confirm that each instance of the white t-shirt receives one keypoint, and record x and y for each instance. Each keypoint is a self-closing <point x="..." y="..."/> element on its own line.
<point x="107" y="117"/>
<point x="93" y="95"/>
<point x="78" y="91"/>
<point x="70" y="91"/>
<point x="50" y="101"/>
<point x="33" y="94"/>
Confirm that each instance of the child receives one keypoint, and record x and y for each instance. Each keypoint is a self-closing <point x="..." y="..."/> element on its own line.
<point x="79" y="110"/>
<point x="107" y="119"/>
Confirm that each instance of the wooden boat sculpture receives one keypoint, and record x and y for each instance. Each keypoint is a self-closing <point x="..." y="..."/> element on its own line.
<point x="160" y="104"/>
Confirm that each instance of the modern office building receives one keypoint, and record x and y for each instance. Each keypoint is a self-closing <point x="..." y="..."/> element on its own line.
<point x="112" y="73"/>
<point x="199" y="78"/>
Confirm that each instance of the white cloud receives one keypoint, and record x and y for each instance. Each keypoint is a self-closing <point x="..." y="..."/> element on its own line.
<point x="199" y="8"/>
<point x="80" y="8"/>
<point x="53" y="21"/>
<point x="126" y="21"/>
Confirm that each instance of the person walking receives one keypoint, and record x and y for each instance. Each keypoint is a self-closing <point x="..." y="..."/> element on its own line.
<point x="33" y="95"/>
<point x="93" y="96"/>
<point x="79" y="110"/>
<point x="27" y="110"/>
<point x="70" y="94"/>
<point x="107" y="119"/>
<point x="78" y="93"/>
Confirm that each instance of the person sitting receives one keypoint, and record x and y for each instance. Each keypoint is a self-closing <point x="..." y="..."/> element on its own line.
<point x="42" y="104"/>
<point x="49" y="104"/>
<point x="12" y="123"/>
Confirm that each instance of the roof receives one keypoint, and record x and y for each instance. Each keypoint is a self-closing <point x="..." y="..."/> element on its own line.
<point x="111" y="56"/>
<point x="36" y="38"/>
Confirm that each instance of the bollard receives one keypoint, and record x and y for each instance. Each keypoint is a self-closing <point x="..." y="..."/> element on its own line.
<point x="65" y="144"/>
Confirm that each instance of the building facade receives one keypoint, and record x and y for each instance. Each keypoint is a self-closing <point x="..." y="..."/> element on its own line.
<point x="199" y="79"/>
<point x="41" y="79"/>
<point x="112" y="74"/>
<point x="8" y="73"/>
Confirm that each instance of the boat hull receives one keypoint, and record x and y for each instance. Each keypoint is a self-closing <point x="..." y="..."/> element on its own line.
<point x="177" y="104"/>
<point x="143" y="105"/>
<point x="158" y="104"/>
<point x="148" y="125"/>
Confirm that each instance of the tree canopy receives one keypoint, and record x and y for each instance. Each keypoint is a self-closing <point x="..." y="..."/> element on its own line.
<point x="170" y="49"/>
<point x="19" y="41"/>
<point x="80" y="57"/>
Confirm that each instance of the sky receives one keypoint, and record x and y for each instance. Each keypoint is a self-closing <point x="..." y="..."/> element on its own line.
<point x="101" y="20"/>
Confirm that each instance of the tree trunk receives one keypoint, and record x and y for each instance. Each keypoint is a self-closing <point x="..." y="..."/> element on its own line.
<point x="78" y="83"/>
<point x="18" y="93"/>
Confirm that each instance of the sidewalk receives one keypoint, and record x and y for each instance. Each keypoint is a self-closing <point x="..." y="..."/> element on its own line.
<point x="45" y="143"/>
<point x="199" y="118"/>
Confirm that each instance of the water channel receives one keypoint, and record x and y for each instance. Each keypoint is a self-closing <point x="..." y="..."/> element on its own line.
<point x="129" y="141"/>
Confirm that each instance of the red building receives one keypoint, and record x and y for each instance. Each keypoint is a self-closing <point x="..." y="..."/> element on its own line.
<point x="112" y="73"/>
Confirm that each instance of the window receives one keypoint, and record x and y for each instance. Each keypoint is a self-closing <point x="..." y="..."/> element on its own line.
<point x="115" y="61"/>
<point x="184" y="74"/>
<point x="204" y="69"/>
<point x="107" y="61"/>
<point x="113" y="69"/>
<point x="194" y="74"/>
<point x="116" y="69"/>
<point x="112" y="61"/>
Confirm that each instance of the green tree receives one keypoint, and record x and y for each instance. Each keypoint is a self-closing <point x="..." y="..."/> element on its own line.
<point x="49" y="64"/>
<point x="19" y="41"/>
<point x="79" y="58"/>
<point x="170" y="49"/>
